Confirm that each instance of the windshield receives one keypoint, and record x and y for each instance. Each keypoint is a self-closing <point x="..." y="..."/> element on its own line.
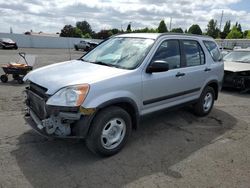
<point x="238" y="56"/>
<point x="120" y="52"/>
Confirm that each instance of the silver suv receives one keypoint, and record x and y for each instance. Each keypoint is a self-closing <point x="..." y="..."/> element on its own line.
<point x="102" y="95"/>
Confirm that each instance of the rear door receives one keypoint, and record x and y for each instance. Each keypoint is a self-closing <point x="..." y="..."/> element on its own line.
<point x="195" y="67"/>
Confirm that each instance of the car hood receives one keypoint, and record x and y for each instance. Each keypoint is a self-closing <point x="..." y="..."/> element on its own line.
<point x="236" y="66"/>
<point x="59" y="75"/>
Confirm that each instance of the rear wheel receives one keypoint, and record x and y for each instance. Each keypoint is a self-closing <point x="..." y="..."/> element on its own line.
<point x="109" y="131"/>
<point x="4" y="78"/>
<point x="205" y="102"/>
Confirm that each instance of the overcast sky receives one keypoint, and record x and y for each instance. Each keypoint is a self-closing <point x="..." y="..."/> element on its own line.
<point x="52" y="15"/>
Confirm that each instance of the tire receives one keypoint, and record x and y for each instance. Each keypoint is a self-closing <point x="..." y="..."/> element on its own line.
<point x="87" y="48"/>
<point x="205" y="102"/>
<point x="20" y="80"/>
<point x="4" y="78"/>
<point x="109" y="131"/>
<point x="76" y="48"/>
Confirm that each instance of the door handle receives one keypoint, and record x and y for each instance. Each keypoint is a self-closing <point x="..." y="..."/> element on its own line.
<point x="207" y="69"/>
<point x="179" y="74"/>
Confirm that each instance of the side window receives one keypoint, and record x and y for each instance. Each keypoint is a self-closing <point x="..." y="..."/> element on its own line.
<point x="213" y="50"/>
<point x="169" y="51"/>
<point x="193" y="53"/>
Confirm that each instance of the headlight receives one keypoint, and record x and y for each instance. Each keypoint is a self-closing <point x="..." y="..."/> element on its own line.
<point x="70" y="96"/>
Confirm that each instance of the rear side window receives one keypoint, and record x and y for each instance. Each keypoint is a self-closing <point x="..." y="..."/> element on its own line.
<point x="213" y="50"/>
<point x="193" y="53"/>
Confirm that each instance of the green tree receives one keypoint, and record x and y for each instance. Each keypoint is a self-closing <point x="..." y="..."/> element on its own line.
<point x="234" y="33"/>
<point x="103" y="34"/>
<point x="129" y="28"/>
<point x="162" y="28"/>
<point x="67" y="31"/>
<point x="195" y="29"/>
<point x="77" y="33"/>
<point x="177" y="30"/>
<point x="85" y="27"/>
<point x="87" y="35"/>
<point x="115" y="31"/>
<point x="145" y="30"/>
<point x="239" y="28"/>
<point x="248" y="35"/>
<point x="226" y="30"/>
<point x="245" y="34"/>
<point x="212" y="29"/>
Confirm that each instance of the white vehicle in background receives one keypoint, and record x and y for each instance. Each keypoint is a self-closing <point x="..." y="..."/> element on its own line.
<point x="84" y="45"/>
<point x="237" y="69"/>
<point x="237" y="48"/>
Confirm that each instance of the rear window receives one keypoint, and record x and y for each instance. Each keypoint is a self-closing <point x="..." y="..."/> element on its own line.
<point x="213" y="50"/>
<point x="193" y="52"/>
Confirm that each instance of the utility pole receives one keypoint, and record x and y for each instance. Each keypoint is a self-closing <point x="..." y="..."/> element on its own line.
<point x="170" y="24"/>
<point x="222" y="13"/>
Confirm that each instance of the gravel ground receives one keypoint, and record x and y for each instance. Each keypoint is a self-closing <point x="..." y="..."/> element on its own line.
<point x="170" y="149"/>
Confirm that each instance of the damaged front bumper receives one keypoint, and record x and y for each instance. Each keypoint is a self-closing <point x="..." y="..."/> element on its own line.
<point x="238" y="80"/>
<point x="55" y="121"/>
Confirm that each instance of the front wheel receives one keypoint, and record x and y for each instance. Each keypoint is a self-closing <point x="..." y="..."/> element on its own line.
<point x="109" y="131"/>
<point x="205" y="102"/>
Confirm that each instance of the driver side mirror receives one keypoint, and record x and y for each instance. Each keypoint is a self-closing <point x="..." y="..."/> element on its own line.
<point x="157" y="66"/>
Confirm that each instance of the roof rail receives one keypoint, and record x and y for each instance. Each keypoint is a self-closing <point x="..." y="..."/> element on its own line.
<point x="184" y="34"/>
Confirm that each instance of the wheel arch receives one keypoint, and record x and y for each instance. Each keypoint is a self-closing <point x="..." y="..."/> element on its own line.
<point x="215" y="85"/>
<point x="125" y="103"/>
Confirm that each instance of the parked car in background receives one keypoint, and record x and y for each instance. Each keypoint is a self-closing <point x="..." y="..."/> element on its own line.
<point x="6" y="43"/>
<point x="237" y="47"/>
<point x="84" y="45"/>
<point x="225" y="52"/>
<point x="237" y="69"/>
<point x="93" y="44"/>
<point x="101" y="96"/>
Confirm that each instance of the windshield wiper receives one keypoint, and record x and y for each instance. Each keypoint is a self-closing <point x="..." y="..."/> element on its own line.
<point x="100" y="63"/>
<point x="105" y="64"/>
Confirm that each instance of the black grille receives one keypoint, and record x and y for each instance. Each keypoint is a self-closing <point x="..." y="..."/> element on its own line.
<point x="36" y="100"/>
<point x="39" y="90"/>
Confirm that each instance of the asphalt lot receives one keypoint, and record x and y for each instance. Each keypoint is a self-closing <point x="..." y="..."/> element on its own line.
<point x="170" y="149"/>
